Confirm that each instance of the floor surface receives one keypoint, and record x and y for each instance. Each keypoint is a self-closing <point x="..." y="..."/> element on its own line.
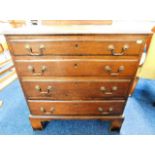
<point x="139" y="115"/>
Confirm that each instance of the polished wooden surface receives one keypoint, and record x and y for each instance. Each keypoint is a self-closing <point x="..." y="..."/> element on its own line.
<point x="76" y="44"/>
<point x="76" y="76"/>
<point x="77" y="66"/>
<point x="92" y="107"/>
<point x="76" y="89"/>
<point x="37" y="120"/>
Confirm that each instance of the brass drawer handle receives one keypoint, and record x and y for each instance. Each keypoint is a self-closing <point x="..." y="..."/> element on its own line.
<point x="76" y="45"/>
<point x="32" y="70"/>
<point x="101" y="110"/>
<point x="109" y="70"/>
<point x="31" y="52"/>
<point x="112" y="49"/>
<point x="38" y="88"/>
<point x="43" y="110"/>
<point x="52" y="109"/>
<point x="104" y="90"/>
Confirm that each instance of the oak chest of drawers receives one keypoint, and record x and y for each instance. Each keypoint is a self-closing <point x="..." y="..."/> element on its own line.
<point x="76" y="76"/>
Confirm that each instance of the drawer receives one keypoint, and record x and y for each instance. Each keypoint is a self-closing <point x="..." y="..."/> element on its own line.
<point x="77" y="45"/>
<point x="77" y="66"/>
<point x="110" y="107"/>
<point x="74" y="88"/>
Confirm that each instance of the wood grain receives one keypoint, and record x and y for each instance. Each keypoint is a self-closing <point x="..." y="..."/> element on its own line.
<point x="67" y="66"/>
<point x="76" y="45"/>
<point x="76" y="89"/>
<point x="77" y="107"/>
<point x="80" y="87"/>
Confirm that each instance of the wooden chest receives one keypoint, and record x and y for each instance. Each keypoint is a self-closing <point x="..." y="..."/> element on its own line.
<point x="76" y="76"/>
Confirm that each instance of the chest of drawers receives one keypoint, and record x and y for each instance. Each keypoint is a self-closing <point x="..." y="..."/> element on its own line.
<point x="76" y="76"/>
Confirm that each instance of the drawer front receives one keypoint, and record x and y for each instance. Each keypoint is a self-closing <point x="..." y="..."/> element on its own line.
<point x="75" y="89"/>
<point x="77" y="45"/>
<point x="77" y="107"/>
<point x="77" y="67"/>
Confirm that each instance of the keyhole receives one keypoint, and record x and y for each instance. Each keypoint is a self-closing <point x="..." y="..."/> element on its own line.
<point x="75" y="65"/>
<point x="76" y="45"/>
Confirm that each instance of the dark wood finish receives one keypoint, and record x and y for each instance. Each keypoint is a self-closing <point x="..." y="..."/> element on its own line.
<point x="76" y="66"/>
<point x="37" y="120"/>
<point x="75" y="89"/>
<point x="116" y="124"/>
<point x="148" y="41"/>
<point x="76" y="76"/>
<point x="135" y="81"/>
<point x="75" y="45"/>
<point x="111" y="107"/>
<point x="37" y="124"/>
